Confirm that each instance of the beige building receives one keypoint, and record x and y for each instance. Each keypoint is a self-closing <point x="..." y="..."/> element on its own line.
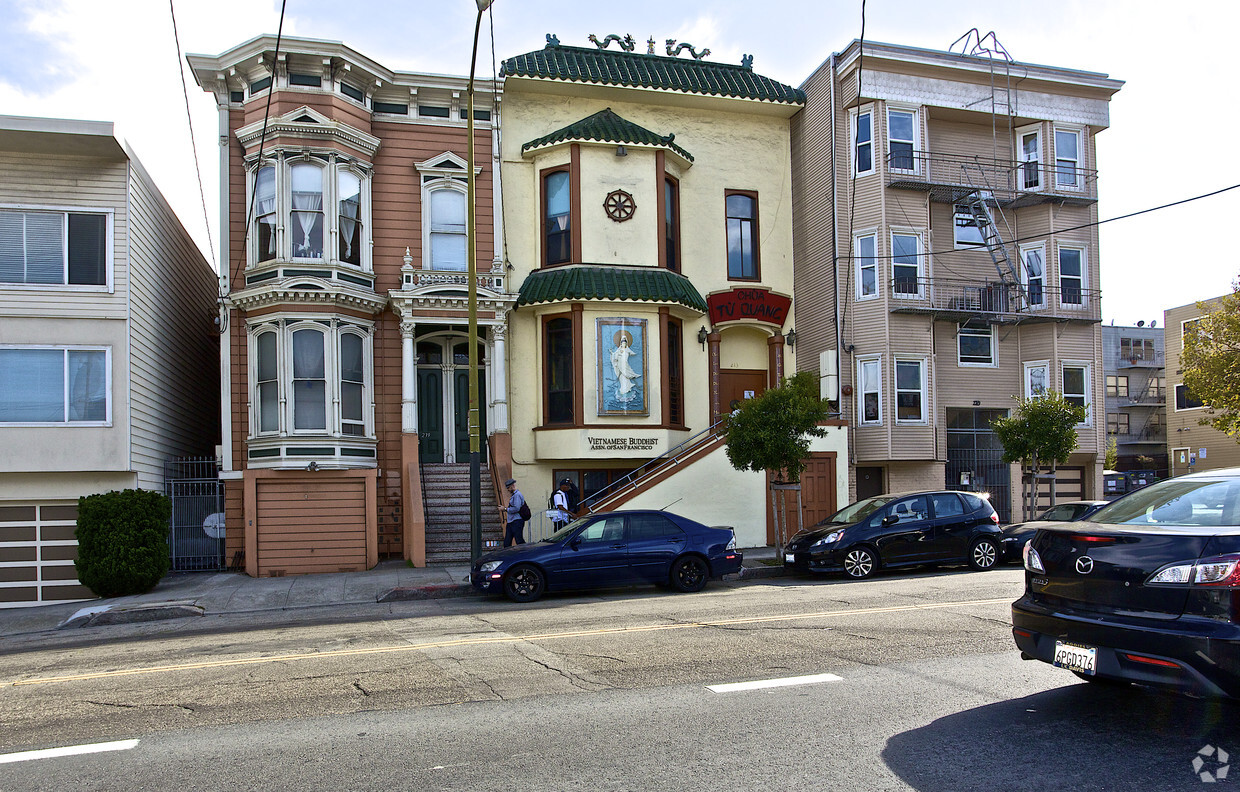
<point x="945" y="248"/>
<point x="1191" y="447"/>
<point x="107" y="346"/>
<point x="648" y="220"/>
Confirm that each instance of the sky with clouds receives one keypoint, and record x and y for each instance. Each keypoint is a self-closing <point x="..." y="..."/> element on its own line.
<point x="117" y="60"/>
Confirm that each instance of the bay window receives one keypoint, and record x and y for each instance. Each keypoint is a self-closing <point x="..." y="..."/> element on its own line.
<point x="910" y="391"/>
<point x="1067" y="157"/>
<point x="293" y="211"/>
<point x="869" y="391"/>
<point x="557" y="217"/>
<point x="1071" y="277"/>
<point x="906" y="269"/>
<point x="864" y="248"/>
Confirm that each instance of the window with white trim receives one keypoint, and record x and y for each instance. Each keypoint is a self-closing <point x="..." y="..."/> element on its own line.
<point x="870" y="391"/>
<point x="312" y="377"/>
<point x="910" y="391"/>
<point x="906" y="265"/>
<point x="1037" y="379"/>
<point x="863" y="142"/>
<point x="323" y="200"/>
<point x="1068" y="157"/>
<point x="1072" y="277"/>
<point x="444" y="213"/>
<point x="975" y="345"/>
<point x="901" y="139"/>
<point x="864" y="249"/>
<point x="1030" y="144"/>
<point x="968" y="234"/>
<point x="1076" y="377"/>
<point x="55" y="385"/>
<point x="1033" y="274"/>
<point x="55" y="248"/>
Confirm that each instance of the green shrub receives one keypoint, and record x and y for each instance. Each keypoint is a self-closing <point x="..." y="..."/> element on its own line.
<point x="122" y="541"/>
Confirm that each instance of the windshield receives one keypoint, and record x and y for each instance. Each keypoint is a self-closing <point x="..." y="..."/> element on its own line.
<point x="1062" y="513"/>
<point x="858" y="511"/>
<point x="1177" y="502"/>
<point x="572" y="526"/>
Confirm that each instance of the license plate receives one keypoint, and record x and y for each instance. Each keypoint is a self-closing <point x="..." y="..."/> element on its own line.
<point x="1082" y="659"/>
<point x="790" y="558"/>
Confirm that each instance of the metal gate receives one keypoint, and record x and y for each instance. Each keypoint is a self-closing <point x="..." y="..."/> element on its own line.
<point x="196" y="532"/>
<point x="975" y="458"/>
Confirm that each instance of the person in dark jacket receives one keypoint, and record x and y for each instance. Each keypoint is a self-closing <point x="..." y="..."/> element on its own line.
<point x="514" y="525"/>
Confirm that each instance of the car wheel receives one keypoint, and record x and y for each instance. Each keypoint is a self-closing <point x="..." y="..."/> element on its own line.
<point x="860" y="563"/>
<point x="690" y="574"/>
<point x="524" y="583"/>
<point x="983" y="554"/>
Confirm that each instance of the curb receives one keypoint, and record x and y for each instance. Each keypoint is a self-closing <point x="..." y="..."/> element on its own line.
<point x="433" y="591"/>
<point x="758" y="572"/>
<point x="91" y="617"/>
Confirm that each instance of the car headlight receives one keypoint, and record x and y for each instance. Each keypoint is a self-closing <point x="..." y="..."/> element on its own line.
<point x="830" y="538"/>
<point x="490" y="566"/>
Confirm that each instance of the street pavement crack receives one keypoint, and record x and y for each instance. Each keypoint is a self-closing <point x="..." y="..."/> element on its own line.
<point x="119" y="705"/>
<point x="357" y="684"/>
<point x="575" y="680"/>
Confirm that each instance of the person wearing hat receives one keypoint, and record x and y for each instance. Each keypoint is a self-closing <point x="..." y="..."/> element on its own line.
<point x="559" y="502"/>
<point x="514" y="522"/>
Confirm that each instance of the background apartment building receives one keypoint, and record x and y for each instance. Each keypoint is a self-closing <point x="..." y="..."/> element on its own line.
<point x="944" y="210"/>
<point x="1136" y="392"/>
<point x="1191" y="447"/>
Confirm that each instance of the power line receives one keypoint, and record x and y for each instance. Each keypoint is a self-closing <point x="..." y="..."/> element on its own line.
<point x="202" y="195"/>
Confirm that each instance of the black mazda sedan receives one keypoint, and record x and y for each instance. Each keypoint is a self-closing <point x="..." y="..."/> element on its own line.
<point x="899" y="530"/>
<point x="1147" y="590"/>
<point x="611" y="549"/>
<point x="1014" y="537"/>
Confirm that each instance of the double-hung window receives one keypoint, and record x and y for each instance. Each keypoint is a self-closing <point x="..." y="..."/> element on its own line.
<point x="910" y="391"/>
<point x="968" y="234"/>
<point x="1037" y="379"/>
<point x="1071" y="277"/>
<point x="671" y="223"/>
<point x="558" y="370"/>
<point x="54" y="248"/>
<point x="312" y="208"/>
<point x="557" y="217"/>
<point x="901" y="139"/>
<point x="1076" y="387"/>
<point x="742" y="232"/>
<point x="55" y="385"/>
<point x="1031" y="159"/>
<point x="1068" y="158"/>
<point x="906" y="265"/>
<point x="975" y="345"/>
<point x="1117" y="423"/>
<point x="1117" y="385"/>
<point x="863" y="143"/>
<point x="870" y="390"/>
<point x="1033" y="275"/>
<point x="448" y="237"/>
<point x="1185" y="400"/>
<point x="864" y="249"/>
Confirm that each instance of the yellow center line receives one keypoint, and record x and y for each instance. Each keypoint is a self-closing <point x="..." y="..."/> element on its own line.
<point x="498" y="639"/>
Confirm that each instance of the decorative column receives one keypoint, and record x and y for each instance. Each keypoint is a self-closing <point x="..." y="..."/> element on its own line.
<point x="408" y="380"/>
<point x="775" y="360"/>
<point x="712" y="347"/>
<point x="499" y="374"/>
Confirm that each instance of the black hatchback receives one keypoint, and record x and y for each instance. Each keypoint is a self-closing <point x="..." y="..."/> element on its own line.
<point x="1147" y="590"/>
<point x="899" y="530"/>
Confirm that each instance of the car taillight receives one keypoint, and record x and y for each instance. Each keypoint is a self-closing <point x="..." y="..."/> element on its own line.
<point x="731" y="542"/>
<point x="1217" y="572"/>
<point x="994" y="518"/>
<point x="1033" y="561"/>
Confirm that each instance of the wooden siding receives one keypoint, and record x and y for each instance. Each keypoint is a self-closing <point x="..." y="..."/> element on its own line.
<point x="1183" y="429"/>
<point x="310" y="526"/>
<point x="174" y="345"/>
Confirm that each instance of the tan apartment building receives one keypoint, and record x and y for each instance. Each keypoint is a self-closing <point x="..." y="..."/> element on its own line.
<point x="345" y="346"/>
<point x="1191" y="447"/>
<point x="946" y="249"/>
<point x="107" y="343"/>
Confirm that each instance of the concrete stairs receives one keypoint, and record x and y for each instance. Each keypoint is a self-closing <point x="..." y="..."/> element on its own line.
<point x="445" y="497"/>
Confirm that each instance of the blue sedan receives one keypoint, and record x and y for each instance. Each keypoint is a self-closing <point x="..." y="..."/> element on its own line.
<point x="611" y="549"/>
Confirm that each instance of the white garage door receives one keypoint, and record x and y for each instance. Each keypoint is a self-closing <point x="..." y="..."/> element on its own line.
<point x="37" y="550"/>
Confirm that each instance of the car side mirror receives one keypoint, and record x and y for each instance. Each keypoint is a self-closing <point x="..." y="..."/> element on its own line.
<point x="891" y="519"/>
<point x="576" y="542"/>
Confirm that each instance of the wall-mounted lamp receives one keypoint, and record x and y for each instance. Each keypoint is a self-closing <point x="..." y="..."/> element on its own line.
<point x="792" y="339"/>
<point x="621" y="151"/>
<point x="702" y="334"/>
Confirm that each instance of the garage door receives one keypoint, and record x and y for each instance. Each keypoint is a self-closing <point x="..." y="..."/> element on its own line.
<point x="37" y="550"/>
<point x="1069" y="486"/>
<point x="307" y="527"/>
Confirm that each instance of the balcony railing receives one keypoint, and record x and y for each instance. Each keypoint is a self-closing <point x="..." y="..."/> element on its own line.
<point x="1141" y="359"/>
<point x="1150" y="434"/>
<point x="950" y="177"/>
<point x="1154" y="396"/>
<point x="965" y="299"/>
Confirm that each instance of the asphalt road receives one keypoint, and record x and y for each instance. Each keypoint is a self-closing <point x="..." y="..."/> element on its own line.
<point x="918" y="687"/>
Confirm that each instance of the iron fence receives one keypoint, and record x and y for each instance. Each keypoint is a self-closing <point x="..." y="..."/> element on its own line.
<point x="196" y="529"/>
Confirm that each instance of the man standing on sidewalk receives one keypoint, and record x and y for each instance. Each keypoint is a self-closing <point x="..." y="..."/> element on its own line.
<point x="514" y="523"/>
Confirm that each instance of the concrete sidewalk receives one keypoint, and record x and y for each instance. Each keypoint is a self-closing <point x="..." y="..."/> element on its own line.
<point x="191" y="594"/>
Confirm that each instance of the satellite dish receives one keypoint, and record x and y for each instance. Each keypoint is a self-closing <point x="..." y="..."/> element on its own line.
<point x="1153" y="323"/>
<point x="1141" y="323"/>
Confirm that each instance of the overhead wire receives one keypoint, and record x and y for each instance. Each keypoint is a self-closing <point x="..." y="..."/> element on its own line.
<point x="202" y="195"/>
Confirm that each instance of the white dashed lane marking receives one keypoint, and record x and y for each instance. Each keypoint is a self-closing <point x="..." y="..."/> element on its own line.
<point x="68" y="750"/>
<point x="774" y="683"/>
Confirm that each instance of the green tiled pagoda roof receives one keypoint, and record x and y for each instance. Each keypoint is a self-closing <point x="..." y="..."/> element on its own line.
<point x="608" y="127"/>
<point x="638" y="70"/>
<point x="597" y="282"/>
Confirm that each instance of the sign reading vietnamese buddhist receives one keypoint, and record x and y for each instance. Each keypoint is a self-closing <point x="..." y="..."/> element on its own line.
<point x="757" y="304"/>
<point x="621" y="443"/>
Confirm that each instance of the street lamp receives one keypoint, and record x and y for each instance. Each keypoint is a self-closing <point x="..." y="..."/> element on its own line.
<point x="475" y="484"/>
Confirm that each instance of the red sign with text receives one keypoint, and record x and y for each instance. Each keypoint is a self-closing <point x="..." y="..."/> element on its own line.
<point x="758" y="304"/>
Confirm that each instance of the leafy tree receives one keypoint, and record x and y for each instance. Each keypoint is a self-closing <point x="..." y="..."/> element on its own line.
<point x="772" y="432"/>
<point x="1211" y="362"/>
<point x="1112" y="458"/>
<point x="1041" y="431"/>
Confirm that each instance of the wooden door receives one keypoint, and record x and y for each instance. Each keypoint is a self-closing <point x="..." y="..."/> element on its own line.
<point x="461" y="418"/>
<point x="736" y="385"/>
<point x="430" y="415"/>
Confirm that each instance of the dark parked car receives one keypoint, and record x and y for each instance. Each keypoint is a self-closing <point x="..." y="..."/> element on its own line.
<point x="897" y="530"/>
<point x="1015" y="535"/>
<point x="611" y="549"/>
<point x="1146" y="591"/>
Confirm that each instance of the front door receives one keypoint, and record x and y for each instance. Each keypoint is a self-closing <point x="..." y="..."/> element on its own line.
<point x="430" y="414"/>
<point x="869" y="482"/>
<point x="736" y="386"/>
<point x="443" y="398"/>
<point x="461" y="415"/>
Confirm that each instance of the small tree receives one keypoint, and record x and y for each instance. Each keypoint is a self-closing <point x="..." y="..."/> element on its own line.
<point x="772" y="432"/>
<point x="122" y="541"/>
<point x="1211" y="362"/>
<point x="1041" y="431"/>
<point x="1112" y="458"/>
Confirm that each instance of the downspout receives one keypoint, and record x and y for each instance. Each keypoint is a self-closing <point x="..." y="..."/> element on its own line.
<point x="225" y="289"/>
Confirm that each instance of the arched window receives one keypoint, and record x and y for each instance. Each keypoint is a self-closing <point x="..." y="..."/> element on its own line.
<point x="265" y="214"/>
<point x="448" y="238"/>
<point x="306" y="211"/>
<point x="349" y="217"/>
<point x="352" y="384"/>
<point x="267" y="382"/>
<point x="309" y="381"/>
